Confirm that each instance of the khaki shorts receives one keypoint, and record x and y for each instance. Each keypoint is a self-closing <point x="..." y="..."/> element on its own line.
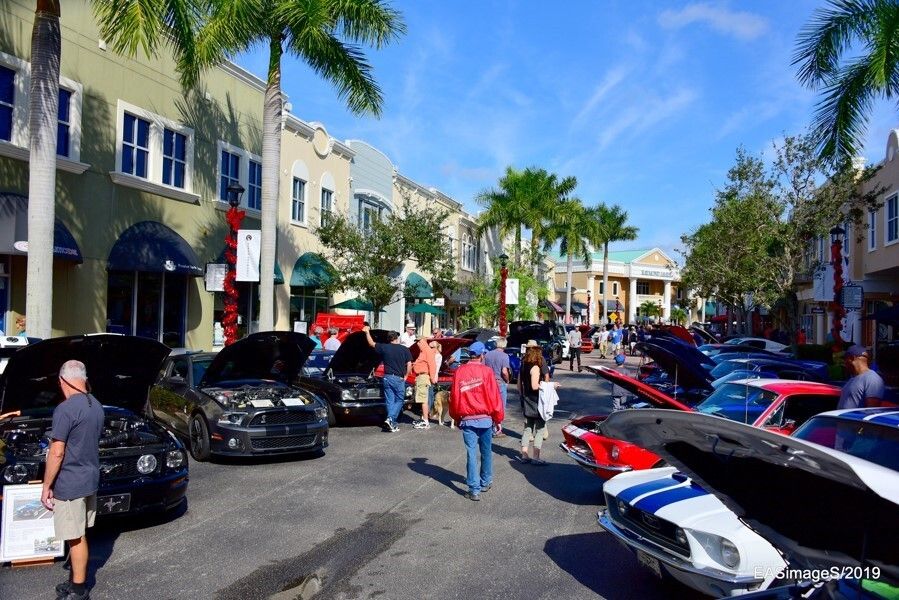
<point x="71" y="518"/>
<point x="422" y="383"/>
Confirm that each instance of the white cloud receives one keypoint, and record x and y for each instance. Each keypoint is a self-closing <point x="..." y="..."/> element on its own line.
<point x="640" y="116"/>
<point x="611" y="79"/>
<point x="740" y="24"/>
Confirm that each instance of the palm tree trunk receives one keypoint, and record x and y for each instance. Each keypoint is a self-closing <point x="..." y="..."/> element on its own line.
<point x="568" y="291"/>
<point x="43" y="107"/>
<point x="271" y="170"/>
<point x="605" y="282"/>
<point x="518" y="245"/>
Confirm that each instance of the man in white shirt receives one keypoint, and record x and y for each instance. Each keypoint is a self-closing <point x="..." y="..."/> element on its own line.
<point x="407" y="338"/>
<point x="603" y="342"/>
<point x="332" y="343"/>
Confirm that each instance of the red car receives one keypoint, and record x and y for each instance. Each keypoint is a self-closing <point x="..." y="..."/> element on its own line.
<point x="776" y="404"/>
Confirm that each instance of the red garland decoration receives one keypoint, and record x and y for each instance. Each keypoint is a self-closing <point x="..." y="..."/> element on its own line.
<point x="229" y="320"/>
<point x="836" y="259"/>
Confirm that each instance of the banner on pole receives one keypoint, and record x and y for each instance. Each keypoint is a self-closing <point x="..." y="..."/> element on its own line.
<point x="248" y="250"/>
<point x="511" y="291"/>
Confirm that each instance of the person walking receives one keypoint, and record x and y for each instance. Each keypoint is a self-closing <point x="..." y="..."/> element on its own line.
<point x="632" y="340"/>
<point x="332" y="343"/>
<point x="615" y="338"/>
<point x="498" y="361"/>
<point x="407" y="339"/>
<point x="603" y="342"/>
<point x="397" y="366"/>
<point x="574" y="349"/>
<point x="865" y="388"/>
<point x="72" y="472"/>
<point x="533" y="371"/>
<point x="425" y="370"/>
<point x="475" y="403"/>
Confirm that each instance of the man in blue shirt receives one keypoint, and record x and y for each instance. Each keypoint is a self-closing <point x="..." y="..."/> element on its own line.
<point x="498" y="361"/>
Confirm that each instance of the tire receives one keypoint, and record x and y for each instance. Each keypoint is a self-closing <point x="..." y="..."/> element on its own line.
<point x="198" y="431"/>
<point x="332" y="418"/>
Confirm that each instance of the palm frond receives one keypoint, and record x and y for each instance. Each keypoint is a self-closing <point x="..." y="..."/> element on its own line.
<point x="841" y="116"/>
<point x="370" y="22"/>
<point x="828" y="35"/>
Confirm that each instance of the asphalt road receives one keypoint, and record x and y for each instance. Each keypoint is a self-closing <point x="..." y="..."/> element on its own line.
<point x="380" y="515"/>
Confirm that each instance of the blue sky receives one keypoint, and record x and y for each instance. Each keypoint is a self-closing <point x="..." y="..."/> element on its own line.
<point x="644" y="102"/>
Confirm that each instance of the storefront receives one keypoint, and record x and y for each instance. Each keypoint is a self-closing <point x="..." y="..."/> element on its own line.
<point x="310" y="276"/>
<point x="416" y="290"/>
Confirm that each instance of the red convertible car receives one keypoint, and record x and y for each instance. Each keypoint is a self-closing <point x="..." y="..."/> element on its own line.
<point x="775" y="404"/>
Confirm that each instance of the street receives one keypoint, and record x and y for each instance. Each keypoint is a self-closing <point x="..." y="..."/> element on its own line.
<point x="378" y="516"/>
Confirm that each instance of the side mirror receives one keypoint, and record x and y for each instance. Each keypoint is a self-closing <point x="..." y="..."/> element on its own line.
<point x="789" y="424"/>
<point x="176" y="379"/>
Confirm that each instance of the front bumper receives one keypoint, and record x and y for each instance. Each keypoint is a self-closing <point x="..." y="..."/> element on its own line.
<point x="710" y="581"/>
<point x="352" y="408"/>
<point x="275" y="439"/>
<point x="604" y="471"/>
<point x="149" y="494"/>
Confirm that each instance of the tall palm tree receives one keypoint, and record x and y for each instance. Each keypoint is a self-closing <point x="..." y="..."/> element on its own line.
<point x="545" y="193"/>
<point x="848" y="51"/>
<point x="571" y="228"/>
<point x="506" y="208"/>
<point x="678" y="315"/>
<point x="610" y="225"/>
<point x="326" y="35"/>
<point x="126" y="25"/>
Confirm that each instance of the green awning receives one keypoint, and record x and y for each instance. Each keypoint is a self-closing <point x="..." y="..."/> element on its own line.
<point x="311" y="270"/>
<point x="418" y="287"/>
<point x="426" y="308"/>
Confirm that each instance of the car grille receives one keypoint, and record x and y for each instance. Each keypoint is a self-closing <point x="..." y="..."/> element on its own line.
<point x="126" y="468"/>
<point x="290" y="417"/>
<point x="282" y="442"/>
<point x="648" y="526"/>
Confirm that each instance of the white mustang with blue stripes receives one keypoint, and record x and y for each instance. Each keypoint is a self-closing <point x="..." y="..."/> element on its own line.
<point x="677" y="528"/>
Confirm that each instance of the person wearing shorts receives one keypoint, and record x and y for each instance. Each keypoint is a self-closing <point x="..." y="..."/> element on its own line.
<point x="72" y="473"/>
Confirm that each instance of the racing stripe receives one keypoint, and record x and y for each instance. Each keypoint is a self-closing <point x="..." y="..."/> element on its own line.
<point x="887" y="418"/>
<point x="654" y="502"/>
<point x="655" y="485"/>
<point x="856" y="414"/>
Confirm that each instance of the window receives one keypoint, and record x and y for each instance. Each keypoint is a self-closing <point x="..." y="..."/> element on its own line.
<point x="254" y="186"/>
<point x="298" y="201"/>
<point x="174" y="158"/>
<point x="369" y="212"/>
<point x="7" y="102"/>
<point x="643" y="287"/>
<point x="229" y="172"/>
<point x="135" y="145"/>
<point x="615" y="288"/>
<point x="872" y="230"/>
<point x="151" y="305"/>
<point x="892" y="222"/>
<point x="63" y="127"/>
<point x="469" y="256"/>
<point x="327" y="205"/>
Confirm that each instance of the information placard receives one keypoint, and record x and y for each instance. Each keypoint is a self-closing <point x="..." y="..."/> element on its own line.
<point x="26" y="529"/>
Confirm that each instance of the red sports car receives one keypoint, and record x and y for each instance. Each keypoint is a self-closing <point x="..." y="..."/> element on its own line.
<point x="775" y="404"/>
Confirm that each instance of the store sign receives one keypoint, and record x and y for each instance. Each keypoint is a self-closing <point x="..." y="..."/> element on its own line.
<point x="817" y="310"/>
<point x="511" y="291"/>
<point x="215" y="277"/>
<point x="853" y="297"/>
<point x="26" y="529"/>
<point x="654" y="273"/>
<point x="248" y="250"/>
<point x="439" y="302"/>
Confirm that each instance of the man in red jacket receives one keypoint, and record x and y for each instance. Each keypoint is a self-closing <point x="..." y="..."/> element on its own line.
<point x="476" y="404"/>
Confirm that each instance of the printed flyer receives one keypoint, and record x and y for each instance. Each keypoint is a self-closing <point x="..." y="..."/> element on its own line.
<point x="26" y="529"/>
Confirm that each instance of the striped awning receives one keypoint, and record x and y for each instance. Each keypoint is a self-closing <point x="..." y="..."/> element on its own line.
<point x="555" y="307"/>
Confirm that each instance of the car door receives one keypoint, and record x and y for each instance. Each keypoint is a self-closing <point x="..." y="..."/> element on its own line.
<point x="170" y="397"/>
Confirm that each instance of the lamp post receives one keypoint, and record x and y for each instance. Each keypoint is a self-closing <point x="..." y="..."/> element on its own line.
<point x="660" y="311"/>
<point x="617" y="310"/>
<point x="234" y="218"/>
<point x="588" y="307"/>
<point x="503" y="274"/>
<point x="836" y="260"/>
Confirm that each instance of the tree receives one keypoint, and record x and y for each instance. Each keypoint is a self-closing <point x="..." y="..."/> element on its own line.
<point x="849" y="84"/>
<point x="326" y="35"/>
<point x="649" y="309"/>
<point x="506" y="208"/>
<point x="571" y="227"/>
<point x="126" y="25"/>
<point x="547" y="193"/>
<point x="484" y="307"/>
<point x="371" y="261"/>
<point x="609" y="225"/>
<point x="678" y="315"/>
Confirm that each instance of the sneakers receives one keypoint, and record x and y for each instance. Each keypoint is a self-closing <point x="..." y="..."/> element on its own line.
<point x="538" y="462"/>
<point x="474" y="497"/>
<point x="486" y="488"/>
<point x="391" y="426"/>
<point x="421" y="425"/>
<point x="522" y="459"/>
<point x="64" y="592"/>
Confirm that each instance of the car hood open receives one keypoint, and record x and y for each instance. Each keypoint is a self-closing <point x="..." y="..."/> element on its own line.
<point x="638" y="388"/>
<point x="684" y="369"/>
<point x="120" y="371"/>
<point x="355" y="355"/>
<point x="821" y="507"/>
<point x="272" y="355"/>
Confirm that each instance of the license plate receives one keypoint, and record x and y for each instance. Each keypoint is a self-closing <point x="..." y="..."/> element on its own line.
<point x="649" y="562"/>
<point x="109" y="505"/>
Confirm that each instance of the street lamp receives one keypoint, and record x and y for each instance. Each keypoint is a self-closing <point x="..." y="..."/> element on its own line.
<point x="234" y="218"/>
<point x="617" y="310"/>
<point x="660" y="311"/>
<point x="836" y="260"/>
<point x="588" y="307"/>
<point x="503" y="274"/>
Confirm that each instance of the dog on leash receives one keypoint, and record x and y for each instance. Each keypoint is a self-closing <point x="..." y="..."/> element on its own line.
<point x="441" y="408"/>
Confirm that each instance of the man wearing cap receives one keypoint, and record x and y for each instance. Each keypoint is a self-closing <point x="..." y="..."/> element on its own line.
<point x="865" y="387"/>
<point x="475" y="403"/>
<point x="407" y="338"/>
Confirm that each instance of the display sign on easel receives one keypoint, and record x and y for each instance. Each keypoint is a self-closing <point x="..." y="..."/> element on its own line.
<point x="26" y="529"/>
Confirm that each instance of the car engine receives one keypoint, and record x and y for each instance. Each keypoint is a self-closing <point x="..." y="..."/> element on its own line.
<point x="255" y="396"/>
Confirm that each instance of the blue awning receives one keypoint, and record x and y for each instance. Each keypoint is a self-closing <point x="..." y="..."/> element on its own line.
<point x="311" y="270"/>
<point x="150" y="246"/>
<point x="14" y="230"/>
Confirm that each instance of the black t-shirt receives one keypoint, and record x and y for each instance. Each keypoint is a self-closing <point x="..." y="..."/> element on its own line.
<point x="395" y="357"/>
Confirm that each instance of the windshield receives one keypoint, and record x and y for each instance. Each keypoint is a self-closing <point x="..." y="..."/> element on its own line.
<point x="870" y="441"/>
<point x="199" y="367"/>
<point x="729" y="366"/>
<point x="737" y="402"/>
<point x="734" y="376"/>
<point x="317" y="362"/>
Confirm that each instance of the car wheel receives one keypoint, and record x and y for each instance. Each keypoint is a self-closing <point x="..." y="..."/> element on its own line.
<point x="332" y="418"/>
<point x="199" y="438"/>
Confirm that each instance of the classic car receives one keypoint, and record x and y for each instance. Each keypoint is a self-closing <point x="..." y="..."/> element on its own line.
<point x="33" y="509"/>
<point x="775" y="404"/>
<point x="757" y="342"/>
<point x="247" y="401"/>
<point x="143" y="467"/>
<point x="680" y="371"/>
<point x="825" y="510"/>
<point x="478" y="334"/>
<point x="520" y="332"/>
<point x="780" y="368"/>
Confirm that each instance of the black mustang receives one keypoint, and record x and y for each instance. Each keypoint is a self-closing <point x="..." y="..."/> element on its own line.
<point x="245" y="400"/>
<point x="142" y="466"/>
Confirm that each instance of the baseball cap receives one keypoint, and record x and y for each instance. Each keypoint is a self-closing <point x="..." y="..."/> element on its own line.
<point x="477" y="349"/>
<point x="855" y="351"/>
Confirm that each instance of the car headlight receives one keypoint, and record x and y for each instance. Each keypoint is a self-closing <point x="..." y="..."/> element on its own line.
<point x="15" y="473"/>
<point x="146" y="464"/>
<point x="174" y="459"/>
<point x="321" y="412"/>
<point x="231" y="418"/>
<point x="622" y="507"/>
<point x="346" y="395"/>
<point x="408" y="392"/>
<point x="681" y="536"/>
<point x="614" y="453"/>
<point x="729" y="553"/>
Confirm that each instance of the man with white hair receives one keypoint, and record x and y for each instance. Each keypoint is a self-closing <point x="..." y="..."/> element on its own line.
<point x="72" y="472"/>
<point x="332" y="343"/>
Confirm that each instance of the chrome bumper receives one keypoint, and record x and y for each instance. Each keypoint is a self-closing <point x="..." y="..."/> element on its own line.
<point x="590" y="464"/>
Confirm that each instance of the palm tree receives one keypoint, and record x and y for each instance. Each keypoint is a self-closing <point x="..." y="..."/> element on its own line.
<point x="326" y="35"/>
<point x="571" y="228"/>
<point x="678" y="315"/>
<point x="126" y="25"/>
<point x="869" y="30"/>
<point x="610" y="225"/>
<point x="506" y="208"/>
<point x="546" y="192"/>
